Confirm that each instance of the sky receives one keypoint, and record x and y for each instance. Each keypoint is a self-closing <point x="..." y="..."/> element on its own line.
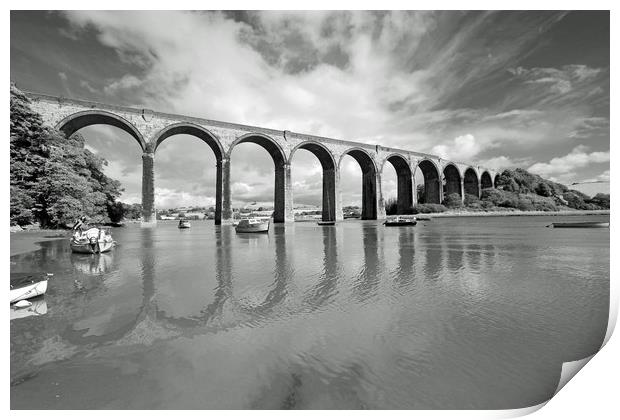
<point x="505" y="89"/>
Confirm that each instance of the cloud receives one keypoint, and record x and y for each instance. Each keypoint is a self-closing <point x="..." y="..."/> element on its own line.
<point x="567" y="164"/>
<point x="87" y="86"/>
<point x="602" y="177"/>
<point x="166" y="198"/>
<point x="590" y="126"/>
<point x="125" y="83"/>
<point x="504" y="162"/>
<point x="462" y="148"/>
<point x="557" y="80"/>
<point x="402" y="79"/>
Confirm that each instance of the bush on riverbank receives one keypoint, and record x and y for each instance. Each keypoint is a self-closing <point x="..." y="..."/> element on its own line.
<point x="453" y="201"/>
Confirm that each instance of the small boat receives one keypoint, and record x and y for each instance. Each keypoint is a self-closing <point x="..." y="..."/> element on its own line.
<point x="252" y="226"/>
<point x="420" y="217"/>
<point x="579" y="225"/>
<point x="184" y="224"/>
<point x="326" y="223"/>
<point x="27" y="285"/>
<point x="401" y="221"/>
<point x="92" y="241"/>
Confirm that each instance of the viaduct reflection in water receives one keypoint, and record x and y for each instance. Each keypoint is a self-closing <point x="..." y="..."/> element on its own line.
<point x="421" y="256"/>
<point x="313" y="314"/>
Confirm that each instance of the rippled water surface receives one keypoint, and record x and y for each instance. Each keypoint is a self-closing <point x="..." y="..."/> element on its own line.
<point x="452" y="313"/>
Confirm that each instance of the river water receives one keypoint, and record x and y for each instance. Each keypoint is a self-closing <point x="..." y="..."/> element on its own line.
<point x="453" y="313"/>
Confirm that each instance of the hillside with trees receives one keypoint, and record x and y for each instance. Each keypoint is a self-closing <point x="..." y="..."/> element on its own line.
<point x="54" y="179"/>
<point x="516" y="189"/>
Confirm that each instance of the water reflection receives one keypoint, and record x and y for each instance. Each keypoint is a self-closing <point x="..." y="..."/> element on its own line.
<point x="223" y="269"/>
<point x="282" y="274"/>
<point x="405" y="272"/>
<point x="454" y="249"/>
<point x="434" y="259"/>
<point x="207" y="318"/>
<point x="474" y="256"/>
<point x="38" y="307"/>
<point x="93" y="264"/>
<point x="322" y="293"/>
<point x="367" y="282"/>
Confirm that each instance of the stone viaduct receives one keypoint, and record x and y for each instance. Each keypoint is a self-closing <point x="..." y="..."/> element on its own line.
<point x="150" y="129"/>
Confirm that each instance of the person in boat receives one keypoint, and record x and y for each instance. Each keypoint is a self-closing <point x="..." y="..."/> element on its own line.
<point x="78" y="228"/>
<point x="79" y="225"/>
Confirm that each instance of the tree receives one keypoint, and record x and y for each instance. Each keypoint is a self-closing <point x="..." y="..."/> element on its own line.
<point x="601" y="200"/>
<point x="544" y="189"/>
<point x="53" y="179"/>
<point x="575" y="199"/>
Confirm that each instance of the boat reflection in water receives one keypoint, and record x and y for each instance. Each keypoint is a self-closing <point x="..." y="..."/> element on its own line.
<point x="93" y="264"/>
<point x="38" y="307"/>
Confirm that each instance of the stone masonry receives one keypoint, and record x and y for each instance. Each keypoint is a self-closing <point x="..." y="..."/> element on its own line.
<point x="150" y="128"/>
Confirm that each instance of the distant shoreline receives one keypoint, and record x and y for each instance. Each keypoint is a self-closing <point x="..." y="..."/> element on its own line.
<point x="517" y="213"/>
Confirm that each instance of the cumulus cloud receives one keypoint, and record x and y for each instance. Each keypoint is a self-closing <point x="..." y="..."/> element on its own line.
<point x="462" y="148"/>
<point x="390" y="78"/>
<point x="567" y="164"/>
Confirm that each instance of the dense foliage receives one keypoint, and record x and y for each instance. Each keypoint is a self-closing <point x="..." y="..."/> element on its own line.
<point x="54" y="179"/>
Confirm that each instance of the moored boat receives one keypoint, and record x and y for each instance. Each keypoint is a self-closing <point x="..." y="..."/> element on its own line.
<point x="422" y="217"/>
<point x="27" y="285"/>
<point x="326" y="223"/>
<point x="252" y="226"/>
<point x="92" y="241"/>
<point x="401" y="221"/>
<point x="184" y="224"/>
<point x="579" y="225"/>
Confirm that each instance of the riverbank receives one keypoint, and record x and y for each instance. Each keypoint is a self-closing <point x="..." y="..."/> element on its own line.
<point x="28" y="240"/>
<point x="455" y="213"/>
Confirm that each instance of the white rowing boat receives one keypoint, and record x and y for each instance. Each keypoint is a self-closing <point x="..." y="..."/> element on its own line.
<point x="26" y="286"/>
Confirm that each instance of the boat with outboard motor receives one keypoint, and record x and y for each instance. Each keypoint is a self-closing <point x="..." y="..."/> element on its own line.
<point x="401" y="221"/>
<point x="184" y="224"/>
<point x="92" y="241"/>
<point x="252" y="226"/>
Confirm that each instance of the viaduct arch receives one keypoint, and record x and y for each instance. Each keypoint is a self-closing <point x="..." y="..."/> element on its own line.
<point x="150" y="129"/>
